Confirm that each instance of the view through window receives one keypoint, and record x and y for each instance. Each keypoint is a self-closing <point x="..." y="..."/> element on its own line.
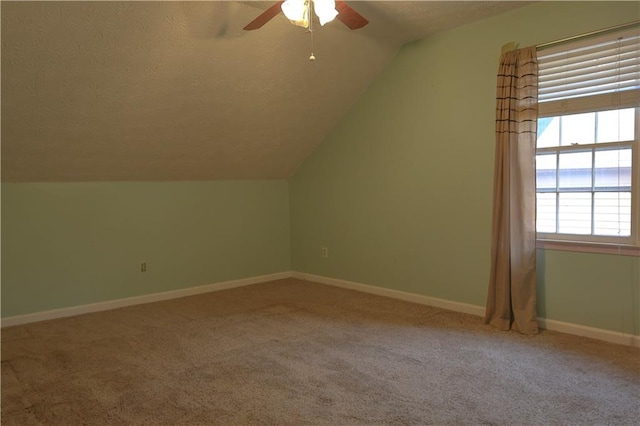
<point x="583" y="173"/>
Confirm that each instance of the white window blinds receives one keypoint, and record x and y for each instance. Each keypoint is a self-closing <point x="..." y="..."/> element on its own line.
<point x="593" y="74"/>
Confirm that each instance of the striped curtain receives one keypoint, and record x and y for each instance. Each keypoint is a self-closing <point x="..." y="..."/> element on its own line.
<point x="511" y="303"/>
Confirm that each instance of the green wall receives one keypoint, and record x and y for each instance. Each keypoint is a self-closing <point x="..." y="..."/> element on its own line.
<point x="594" y="290"/>
<point x="401" y="190"/>
<point x="69" y="244"/>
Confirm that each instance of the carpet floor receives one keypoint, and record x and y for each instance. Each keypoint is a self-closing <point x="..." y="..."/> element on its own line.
<point x="292" y="352"/>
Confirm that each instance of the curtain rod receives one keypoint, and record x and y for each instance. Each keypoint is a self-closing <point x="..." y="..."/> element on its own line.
<point x="589" y="34"/>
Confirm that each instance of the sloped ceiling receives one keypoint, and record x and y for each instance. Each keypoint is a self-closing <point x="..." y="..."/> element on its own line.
<point x="144" y="91"/>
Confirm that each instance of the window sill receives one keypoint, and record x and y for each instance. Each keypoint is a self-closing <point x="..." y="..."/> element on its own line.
<point x="586" y="247"/>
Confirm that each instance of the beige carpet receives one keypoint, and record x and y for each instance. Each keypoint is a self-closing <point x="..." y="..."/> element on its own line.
<point x="291" y="352"/>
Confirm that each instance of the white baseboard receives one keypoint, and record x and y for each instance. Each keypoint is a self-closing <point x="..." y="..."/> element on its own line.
<point x="395" y="294"/>
<point x="138" y="300"/>
<point x="592" y="332"/>
<point x="563" y="327"/>
<point x="548" y="324"/>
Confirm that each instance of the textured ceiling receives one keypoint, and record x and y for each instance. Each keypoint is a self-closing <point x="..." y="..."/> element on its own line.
<point x="95" y="91"/>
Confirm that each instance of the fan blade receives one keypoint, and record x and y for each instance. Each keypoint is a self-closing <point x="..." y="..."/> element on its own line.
<point x="265" y="17"/>
<point x="349" y="17"/>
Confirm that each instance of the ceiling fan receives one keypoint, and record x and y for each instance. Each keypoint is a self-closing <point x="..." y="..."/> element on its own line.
<point x="299" y="13"/>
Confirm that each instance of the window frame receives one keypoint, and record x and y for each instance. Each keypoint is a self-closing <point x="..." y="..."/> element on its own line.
<point x="631" y="240"/>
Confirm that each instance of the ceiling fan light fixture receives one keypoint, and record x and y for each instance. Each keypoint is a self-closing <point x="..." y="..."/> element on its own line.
<point x="325" y="10"/>
<point x="297" y="11"/>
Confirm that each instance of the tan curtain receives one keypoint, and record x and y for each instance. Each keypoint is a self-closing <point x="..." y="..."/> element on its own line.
<point x="512" y="288"/>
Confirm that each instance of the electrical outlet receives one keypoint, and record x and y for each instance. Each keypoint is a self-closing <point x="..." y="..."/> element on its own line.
<point x="143" y="267"/>
<point x="325" y="252"/>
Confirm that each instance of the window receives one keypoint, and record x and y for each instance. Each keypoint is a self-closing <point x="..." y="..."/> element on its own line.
<point x="587" y="159"/>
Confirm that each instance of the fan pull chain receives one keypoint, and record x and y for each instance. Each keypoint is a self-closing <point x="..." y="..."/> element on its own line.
<point x="312" y="57"/>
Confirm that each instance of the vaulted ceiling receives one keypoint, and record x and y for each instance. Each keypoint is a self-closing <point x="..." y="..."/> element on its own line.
<point x="130" y="91"/>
